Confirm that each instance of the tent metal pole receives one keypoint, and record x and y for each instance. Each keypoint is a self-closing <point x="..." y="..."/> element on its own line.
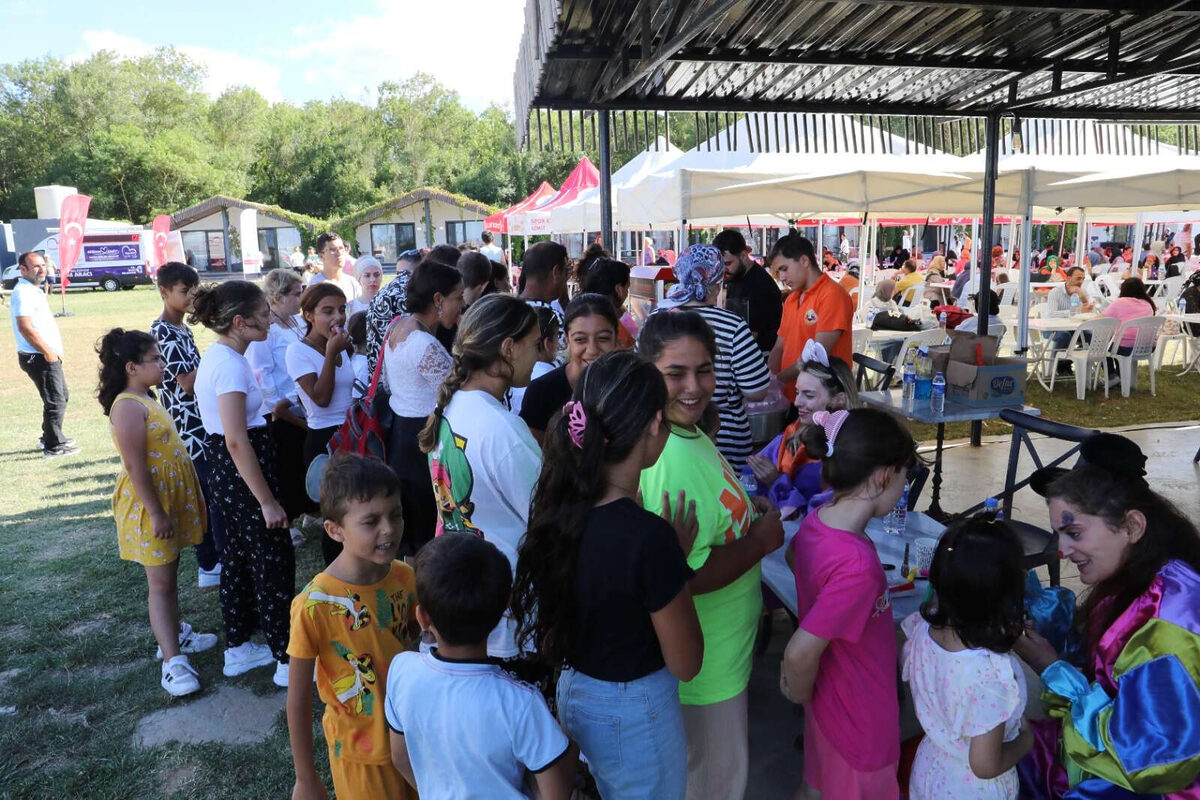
<point x="1024" y="276"/>
<point x="1136" y="248"/>
<point x="974" y="249"/>
<point x="991" y="154"/>
<point x="606" y="232"/>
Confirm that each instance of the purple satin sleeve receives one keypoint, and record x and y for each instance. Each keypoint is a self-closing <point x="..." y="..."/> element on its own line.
<point x="1041" y="772"/>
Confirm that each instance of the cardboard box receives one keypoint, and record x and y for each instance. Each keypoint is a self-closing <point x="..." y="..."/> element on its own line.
<point x="997" y="382"/>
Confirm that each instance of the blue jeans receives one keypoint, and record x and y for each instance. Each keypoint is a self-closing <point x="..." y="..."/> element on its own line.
<point x="631" y="733"/>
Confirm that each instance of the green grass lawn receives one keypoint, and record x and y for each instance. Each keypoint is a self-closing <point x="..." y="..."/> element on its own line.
<point x="76" y="654"/>
<point x="77" y="668"/>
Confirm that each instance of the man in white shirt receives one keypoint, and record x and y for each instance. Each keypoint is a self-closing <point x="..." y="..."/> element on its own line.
<point x="1058" y="304"/>
<point x="332" y="250"/>
<point x="491" y="250"/>
<point x="40" y="352"/>
<point x="296" y="259"/>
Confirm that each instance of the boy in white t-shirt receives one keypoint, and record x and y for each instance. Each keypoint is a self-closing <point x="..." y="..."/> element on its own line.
<point x="461" y="725"/>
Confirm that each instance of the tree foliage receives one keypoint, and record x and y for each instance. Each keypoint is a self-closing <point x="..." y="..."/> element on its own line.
<point x="140" y="137"/>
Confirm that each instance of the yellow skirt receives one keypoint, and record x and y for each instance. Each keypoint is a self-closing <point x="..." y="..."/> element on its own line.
<point x="178" y="489"/>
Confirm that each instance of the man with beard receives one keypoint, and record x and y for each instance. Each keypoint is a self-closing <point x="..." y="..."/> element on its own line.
<point x="749" y="289"/>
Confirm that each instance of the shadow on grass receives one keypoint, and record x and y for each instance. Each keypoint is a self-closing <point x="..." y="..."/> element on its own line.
<point x="58" y="513"/>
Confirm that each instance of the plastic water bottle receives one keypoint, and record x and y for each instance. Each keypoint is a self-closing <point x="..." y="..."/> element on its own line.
<point x="896" y="522"/>
<point x="909" y="377"/>
<point x="992" y="506"/>
<point x="1076" y="304"/>
<point x="937" y="394"/>
<point x="942" y="321"/>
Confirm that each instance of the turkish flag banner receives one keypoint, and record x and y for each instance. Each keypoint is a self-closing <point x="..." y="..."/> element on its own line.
<point x="162" y="227"/>
<point x="71" y="224"/>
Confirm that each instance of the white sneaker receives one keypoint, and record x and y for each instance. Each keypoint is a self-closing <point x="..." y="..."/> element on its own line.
<point x="281" y="674"/>
<point x="245" y="657"/>
<point x="190" y="641"/>
<point x="207" y="578"/>
<point x="297" y="537"/>
<point x="178" y="677"/>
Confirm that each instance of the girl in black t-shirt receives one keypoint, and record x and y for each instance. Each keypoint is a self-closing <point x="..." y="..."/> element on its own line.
<point x="601" y="586"/>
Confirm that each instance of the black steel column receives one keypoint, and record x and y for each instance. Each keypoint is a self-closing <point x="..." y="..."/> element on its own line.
<point x="991" y="155"/>
<point x="606" y="232"/>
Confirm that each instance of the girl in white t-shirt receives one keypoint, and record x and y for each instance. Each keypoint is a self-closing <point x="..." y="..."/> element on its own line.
<point x="482" y="458"/>
<point x="320" y="364"/>
<point x="258" y="575"/>
<point x="967" y="685"/>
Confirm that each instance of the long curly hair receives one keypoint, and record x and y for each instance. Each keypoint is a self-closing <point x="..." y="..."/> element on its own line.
<point x="117" y="348"/>
<point x="488" y="322"/>
<point x="620" y="394"/>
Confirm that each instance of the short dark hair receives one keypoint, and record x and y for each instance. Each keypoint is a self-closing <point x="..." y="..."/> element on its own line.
<point x="173" y="273"/>
<point x="541" y="259"/>
<point x="486" y="237"/>
<point x="993" y="304"/>
<point x="21" y="259"/>
<point x="979" y="583"/>
<point x="325" y="238"/>
<point x="793" y="246"/>
<point x="910" y="265"/>
<point x="350" y="478"/>
<point x="668" y="326"/>
<point x="444" y="254"/>
<point x="356" y="328"/>
<point x="730" y="241"/>
<point x="476" y="268"/>
<point x="604" y="275"/>
<point x="1072" y="270"/>
<point x="464" y="583"/>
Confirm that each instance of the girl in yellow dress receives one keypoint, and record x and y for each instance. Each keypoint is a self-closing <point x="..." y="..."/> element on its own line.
<point x="157" y="503"/>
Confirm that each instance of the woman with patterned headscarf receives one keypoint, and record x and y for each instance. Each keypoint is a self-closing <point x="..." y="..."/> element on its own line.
<point x="740" y="366"/>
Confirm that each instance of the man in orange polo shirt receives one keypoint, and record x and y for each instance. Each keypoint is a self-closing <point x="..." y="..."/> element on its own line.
<point x="817" y="308"/>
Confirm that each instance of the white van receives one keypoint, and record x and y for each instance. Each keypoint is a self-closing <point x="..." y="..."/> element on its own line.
<point x="110" y="259"/>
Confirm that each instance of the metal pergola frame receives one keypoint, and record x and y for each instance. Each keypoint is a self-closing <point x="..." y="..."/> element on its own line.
<point x="1092" y="59"/>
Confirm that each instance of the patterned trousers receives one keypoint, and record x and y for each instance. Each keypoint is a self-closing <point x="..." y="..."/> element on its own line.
<point x="258" y="571"/>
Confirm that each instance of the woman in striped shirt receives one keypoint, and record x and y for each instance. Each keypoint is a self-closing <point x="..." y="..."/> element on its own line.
<point x="740" y="366"/>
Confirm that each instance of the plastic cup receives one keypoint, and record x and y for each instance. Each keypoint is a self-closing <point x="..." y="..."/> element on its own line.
<point x="925" y="550"/>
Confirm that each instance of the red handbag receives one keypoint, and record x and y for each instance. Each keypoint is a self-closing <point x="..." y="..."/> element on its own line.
<point x="955" y="316"/>
<point x="368" y="422"/>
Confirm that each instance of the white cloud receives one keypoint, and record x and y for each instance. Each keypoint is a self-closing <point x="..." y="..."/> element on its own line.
<point x="467" y="45"/>
<point x="223" y="68"/>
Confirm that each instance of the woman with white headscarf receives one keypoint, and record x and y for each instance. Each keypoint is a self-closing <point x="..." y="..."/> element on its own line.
<point x="740" y="366"/>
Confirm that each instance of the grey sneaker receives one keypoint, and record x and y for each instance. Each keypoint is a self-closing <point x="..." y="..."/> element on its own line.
<point x="61" y="450"/>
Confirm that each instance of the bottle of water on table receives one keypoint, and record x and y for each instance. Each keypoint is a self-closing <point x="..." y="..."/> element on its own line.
<point x="937" y="395"/>
<point x="749" y="482"/>
<point x="942" y="321"/>
<point x="896" y="521"/>
<point x="909" y="378"/>
<point x="1076" y="304"/>
<point x="992" y="506"/>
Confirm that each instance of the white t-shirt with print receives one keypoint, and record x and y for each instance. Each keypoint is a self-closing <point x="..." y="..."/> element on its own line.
<point x="304" y="360"/>
<point x="484" y="467"/>
<point x="223" y="370"/>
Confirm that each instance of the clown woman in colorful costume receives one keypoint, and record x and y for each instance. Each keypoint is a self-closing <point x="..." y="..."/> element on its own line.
<point x="1126" y="722"/>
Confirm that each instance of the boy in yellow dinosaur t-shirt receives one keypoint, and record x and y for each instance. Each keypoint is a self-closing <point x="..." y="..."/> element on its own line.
<point x="348" y="623"/>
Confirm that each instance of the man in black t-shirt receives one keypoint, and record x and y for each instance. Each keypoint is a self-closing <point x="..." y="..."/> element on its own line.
<point x="749" y="289"/>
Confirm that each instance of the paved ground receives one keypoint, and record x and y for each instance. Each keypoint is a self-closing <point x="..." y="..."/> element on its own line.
<point x="971" y="474"/>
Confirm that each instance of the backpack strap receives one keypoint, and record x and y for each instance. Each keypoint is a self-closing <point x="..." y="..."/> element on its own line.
<point x="387" y="334"/>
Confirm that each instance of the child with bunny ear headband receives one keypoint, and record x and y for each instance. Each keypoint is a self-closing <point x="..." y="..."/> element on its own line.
<point x="786" y="474"/>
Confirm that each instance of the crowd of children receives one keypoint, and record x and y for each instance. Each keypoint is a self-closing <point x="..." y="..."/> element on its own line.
<point x="594" y="590"/>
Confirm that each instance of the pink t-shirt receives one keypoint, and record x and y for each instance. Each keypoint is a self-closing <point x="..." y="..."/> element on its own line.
<point x="841" y="595"/>
<point x="1125" y="309"/>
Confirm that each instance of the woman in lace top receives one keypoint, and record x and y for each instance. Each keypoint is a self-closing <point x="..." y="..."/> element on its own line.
<point x="415" y="363"/>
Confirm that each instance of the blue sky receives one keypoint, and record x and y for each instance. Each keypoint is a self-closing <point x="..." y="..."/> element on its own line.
<point x="294" y="51"/>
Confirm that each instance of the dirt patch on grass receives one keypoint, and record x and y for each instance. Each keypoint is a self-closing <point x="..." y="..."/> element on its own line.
<point x="91" y="626"/>
<point x="230" y="715"/>
<point x="175" y="779"/>
<point x="111" y="671"/>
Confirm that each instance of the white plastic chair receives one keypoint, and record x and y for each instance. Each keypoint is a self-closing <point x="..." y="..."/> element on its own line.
<point x="1110" y="284"/>
<point x="1143" y="350"/>
<point x="1088" y="357"/>
<point x="910" y="293"/>
<point x="862" y="341"/>
<point x="1010" y="294"/>
<point x="1169" y="289"/>
<point x="931" y="337"/>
